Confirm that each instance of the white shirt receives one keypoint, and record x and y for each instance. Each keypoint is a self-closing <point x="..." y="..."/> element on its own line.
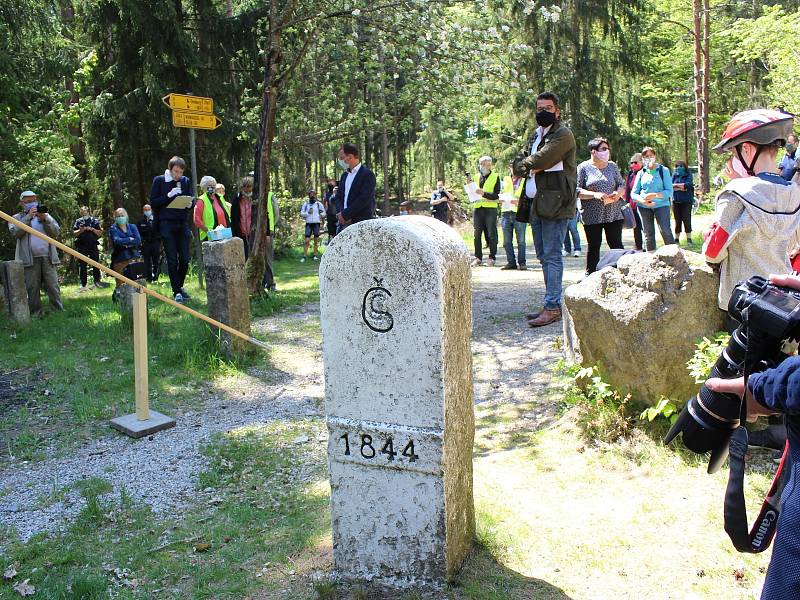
<point x="348" y="183"/>
<point x="530" y="183"/>
<point x="38" y="246"/>
<point x="312" y="211"/>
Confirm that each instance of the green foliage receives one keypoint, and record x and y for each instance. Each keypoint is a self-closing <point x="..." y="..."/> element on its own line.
<point x="603" y="414"/>
<point x="706" y="354"/>
<point x="665" y="408"/>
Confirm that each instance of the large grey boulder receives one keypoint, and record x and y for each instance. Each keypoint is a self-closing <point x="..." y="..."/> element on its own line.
<point x="639" y="323"/>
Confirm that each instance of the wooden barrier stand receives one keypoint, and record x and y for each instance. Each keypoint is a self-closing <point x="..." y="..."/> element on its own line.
<point x="145" y="421"/>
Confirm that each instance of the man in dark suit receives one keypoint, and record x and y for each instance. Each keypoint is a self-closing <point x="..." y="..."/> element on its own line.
<point x="355" y="198"/>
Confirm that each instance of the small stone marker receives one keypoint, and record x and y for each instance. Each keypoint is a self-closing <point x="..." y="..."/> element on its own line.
<point x="226" y="289"/>
<point x="16" y="294"/>
<point x="396" y="311"/>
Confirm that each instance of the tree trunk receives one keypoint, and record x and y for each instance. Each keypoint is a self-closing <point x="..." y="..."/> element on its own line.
<point x="257" y="263"/>
<point x="701" y="68"/>
<point x="705" y="177"/>
<point x="385" y="161"/>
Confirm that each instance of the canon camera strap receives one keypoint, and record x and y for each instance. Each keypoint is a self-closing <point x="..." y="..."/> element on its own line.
<point x="760" y="536"/>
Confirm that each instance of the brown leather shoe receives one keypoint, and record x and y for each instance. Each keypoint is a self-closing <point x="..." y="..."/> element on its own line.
<point x="547" y="316"/>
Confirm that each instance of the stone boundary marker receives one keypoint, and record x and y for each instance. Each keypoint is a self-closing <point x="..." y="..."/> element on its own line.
<point x="15" y="295"/>
<point x="226" y="288"/>
<point x="396" y="310"/>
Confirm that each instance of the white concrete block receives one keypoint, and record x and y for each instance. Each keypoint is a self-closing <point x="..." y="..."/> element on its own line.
<point x="397" y="321"/>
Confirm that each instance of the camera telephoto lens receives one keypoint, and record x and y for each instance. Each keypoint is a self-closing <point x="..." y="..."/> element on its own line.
<point x="708" y="420"/>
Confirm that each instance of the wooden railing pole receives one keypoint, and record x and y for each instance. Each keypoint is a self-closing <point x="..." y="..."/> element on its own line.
<point x="140" y="356"/>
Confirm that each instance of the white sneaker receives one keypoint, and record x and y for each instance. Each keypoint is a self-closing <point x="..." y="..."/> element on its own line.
<point x="576" y="253"/>
<point x="564" y="253"/>
<point x="490" y="262"/>
<point x="315" y="259"/>
<point x="475" y="262"/>
<point x="179" y="298"/>
<point x="303" y="259"/>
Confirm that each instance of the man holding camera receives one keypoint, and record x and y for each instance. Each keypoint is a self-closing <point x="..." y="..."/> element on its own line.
<point x="39" y="258"/>
<point x="770" y="392"/>
<point x="440" y="200"/>
<point x="87" y="231"/>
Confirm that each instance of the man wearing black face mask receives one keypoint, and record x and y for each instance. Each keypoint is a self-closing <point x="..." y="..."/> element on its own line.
<point x="548" y="163"/>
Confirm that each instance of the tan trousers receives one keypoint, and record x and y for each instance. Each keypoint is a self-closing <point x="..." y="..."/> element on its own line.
<point x="42" y="274"/>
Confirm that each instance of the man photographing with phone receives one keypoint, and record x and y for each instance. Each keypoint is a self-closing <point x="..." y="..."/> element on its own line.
<point x="39" y="258"/>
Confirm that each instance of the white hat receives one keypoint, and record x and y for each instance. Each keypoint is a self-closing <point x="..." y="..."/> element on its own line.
<point x="26" y="194"/>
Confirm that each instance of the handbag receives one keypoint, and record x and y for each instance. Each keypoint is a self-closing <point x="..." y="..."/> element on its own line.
<point x="523" y="209"/>
<point x="628" y="217"/>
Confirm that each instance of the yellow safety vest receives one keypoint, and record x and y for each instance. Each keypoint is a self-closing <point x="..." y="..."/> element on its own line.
<point x="488" y="185"/>
<point x="508" y="187"/>
<point x="208" y="213"/>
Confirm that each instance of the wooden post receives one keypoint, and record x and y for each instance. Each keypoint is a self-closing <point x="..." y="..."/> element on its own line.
<point x="140" y="355"/>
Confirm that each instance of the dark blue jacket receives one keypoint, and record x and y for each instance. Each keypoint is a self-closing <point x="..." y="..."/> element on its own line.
<point x="126" y="243"/>
<point x="159" y="199"/>
<point x="779" y="389"/>
<point x="361" y="200"/>
<point x="679" y="196"/>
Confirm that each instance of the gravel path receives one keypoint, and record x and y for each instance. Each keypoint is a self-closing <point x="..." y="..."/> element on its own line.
<point x="160" y="470"/>
<point x="511" y="364"/>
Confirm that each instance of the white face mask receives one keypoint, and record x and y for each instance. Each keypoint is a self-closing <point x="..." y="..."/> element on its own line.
<point x="649" y="163"/>
<point x="603" y="155"/>
<point x="738" y="167"/>
<point x="343" y="164"/>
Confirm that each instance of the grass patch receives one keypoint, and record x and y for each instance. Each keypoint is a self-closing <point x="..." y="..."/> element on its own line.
<point x="84" y="362"/>
<point x="266" y="506"/>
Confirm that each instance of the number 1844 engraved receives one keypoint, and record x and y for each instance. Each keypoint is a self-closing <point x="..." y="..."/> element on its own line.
<point x="383" y="445"/>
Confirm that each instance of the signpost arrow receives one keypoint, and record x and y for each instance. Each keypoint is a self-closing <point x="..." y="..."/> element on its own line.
<point x="195" y="120"/>
<point x="191" y="103"/>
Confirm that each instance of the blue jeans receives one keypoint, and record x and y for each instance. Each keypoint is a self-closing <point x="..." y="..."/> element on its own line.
<point x="548" y="238"/>
<point x="511" y="226"/>
<point x="572" y="230"/>
<point x="651" y="216"/>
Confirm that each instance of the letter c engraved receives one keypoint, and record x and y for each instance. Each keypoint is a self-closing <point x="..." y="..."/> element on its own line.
<point x="373" y="308"/>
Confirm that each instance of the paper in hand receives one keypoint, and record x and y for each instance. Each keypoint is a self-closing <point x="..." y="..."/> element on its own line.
<point x="470" y="189"/>
<point x="180" y="202"/>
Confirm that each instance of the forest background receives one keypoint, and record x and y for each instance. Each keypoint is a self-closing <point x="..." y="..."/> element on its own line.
<point x="424" y="87"/>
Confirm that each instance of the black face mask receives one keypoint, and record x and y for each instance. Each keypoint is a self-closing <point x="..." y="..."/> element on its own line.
<point x="545" y="118"/>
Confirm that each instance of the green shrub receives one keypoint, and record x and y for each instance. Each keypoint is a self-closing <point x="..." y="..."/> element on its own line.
<point x="603" y="414"/>
<point x="706" y="354"/>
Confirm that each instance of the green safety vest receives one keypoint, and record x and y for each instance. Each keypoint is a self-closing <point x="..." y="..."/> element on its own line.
<point x="508" y="187"/>
<point x="488" y="185"/>
<point x="271" y="213"/>
<point x="208" y="213"/>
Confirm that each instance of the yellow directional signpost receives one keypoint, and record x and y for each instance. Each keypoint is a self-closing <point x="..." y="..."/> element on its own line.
<point x="194" y="120"/>
<point x="192" y="103"/>
<point x="193" y="112"/>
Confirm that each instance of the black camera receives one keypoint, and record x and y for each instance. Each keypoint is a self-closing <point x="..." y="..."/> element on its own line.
<point x="42" y="209"/>
<point x="769" y="315"/>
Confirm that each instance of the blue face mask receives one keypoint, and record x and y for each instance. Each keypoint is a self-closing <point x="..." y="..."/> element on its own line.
<point x="29" y="205"/>
<point x="121" y="220"/>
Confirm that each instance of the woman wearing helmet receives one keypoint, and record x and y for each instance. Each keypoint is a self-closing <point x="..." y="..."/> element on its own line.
<point x="758" y="212"/>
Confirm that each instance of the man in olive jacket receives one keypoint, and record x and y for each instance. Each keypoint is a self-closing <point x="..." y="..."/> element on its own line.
<point x="548" y="162"/>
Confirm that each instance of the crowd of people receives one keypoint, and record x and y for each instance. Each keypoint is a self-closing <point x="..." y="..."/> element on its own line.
<point x="164" y="230"/>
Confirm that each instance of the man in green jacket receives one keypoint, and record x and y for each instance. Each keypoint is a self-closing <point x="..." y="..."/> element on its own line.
<point x="548" y="163"/>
